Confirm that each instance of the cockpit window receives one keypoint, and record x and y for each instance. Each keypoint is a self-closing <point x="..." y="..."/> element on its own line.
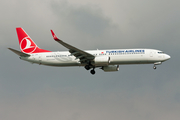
<point x="161" y="52"/>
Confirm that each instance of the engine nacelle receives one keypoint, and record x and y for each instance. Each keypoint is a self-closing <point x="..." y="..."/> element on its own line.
<point x="110" y="68"/>
<point x="102" y="60"/>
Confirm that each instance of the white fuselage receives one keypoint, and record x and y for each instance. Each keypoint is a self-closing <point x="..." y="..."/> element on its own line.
<point x="107" y="60"/>
<point x="117" y="57"/>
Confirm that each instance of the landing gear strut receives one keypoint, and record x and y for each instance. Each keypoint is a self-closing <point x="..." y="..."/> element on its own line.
<point x="157" y="63"/>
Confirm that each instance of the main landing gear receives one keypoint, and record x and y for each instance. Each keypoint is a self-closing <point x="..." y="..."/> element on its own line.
<point x="93" y="71"/>
<point x="88" y="67"/>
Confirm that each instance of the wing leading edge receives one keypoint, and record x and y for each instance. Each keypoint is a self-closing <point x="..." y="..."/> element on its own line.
<point x="79" y="54"/>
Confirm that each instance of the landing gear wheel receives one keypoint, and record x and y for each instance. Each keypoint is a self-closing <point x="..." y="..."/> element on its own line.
<point x="93" y="72"/>
<point x="87" y="67"/>
<point x="154" y="67"/>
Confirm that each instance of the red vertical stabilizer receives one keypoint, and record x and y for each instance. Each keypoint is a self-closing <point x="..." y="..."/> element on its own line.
<point x="27" y="45"/>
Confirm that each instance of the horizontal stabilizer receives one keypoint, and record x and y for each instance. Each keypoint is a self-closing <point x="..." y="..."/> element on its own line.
<point x="19" y="53"/>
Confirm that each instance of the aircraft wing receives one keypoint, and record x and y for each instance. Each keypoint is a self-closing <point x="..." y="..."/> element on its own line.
<point x="79" y="54"/>
<point x="19" y="53"/>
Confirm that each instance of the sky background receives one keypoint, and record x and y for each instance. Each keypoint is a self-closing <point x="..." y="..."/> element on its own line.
<point x="136" y="92"/>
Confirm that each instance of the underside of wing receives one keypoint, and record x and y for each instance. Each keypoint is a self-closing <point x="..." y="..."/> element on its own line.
<point x="79" y="54"/>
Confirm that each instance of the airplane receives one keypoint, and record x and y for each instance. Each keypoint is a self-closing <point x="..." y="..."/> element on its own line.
<point x="107" y="60"/>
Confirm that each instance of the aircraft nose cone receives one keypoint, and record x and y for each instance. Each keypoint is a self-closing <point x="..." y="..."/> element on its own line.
<point x="167" y="57"/>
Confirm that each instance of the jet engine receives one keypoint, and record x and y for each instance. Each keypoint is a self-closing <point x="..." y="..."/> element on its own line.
<point x="102" y="60"/>
<point x="110" y="68"/>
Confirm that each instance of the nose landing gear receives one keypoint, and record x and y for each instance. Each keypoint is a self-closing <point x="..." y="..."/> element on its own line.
<point x="154" y="67"/>
<point x="157" y="63"/>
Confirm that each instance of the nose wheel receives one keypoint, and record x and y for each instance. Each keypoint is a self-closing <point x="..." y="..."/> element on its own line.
<point x="154" y="67"/>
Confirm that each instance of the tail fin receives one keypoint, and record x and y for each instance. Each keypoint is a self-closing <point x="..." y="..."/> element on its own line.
<point x="27" y="45"/>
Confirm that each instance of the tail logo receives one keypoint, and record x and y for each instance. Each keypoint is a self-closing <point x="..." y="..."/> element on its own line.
<point x="27" y="45"/>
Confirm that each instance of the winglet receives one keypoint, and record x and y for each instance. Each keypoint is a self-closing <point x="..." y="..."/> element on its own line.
<point x="54" y="36"/>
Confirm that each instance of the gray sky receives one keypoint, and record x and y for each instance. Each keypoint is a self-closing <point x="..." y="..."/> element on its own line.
<point x="30" y="91"/>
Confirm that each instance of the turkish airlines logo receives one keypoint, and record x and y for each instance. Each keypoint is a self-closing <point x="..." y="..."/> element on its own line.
<point x="27" y="45"/>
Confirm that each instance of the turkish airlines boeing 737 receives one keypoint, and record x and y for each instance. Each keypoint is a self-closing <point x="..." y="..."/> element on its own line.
<point x="107" y="60"/>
